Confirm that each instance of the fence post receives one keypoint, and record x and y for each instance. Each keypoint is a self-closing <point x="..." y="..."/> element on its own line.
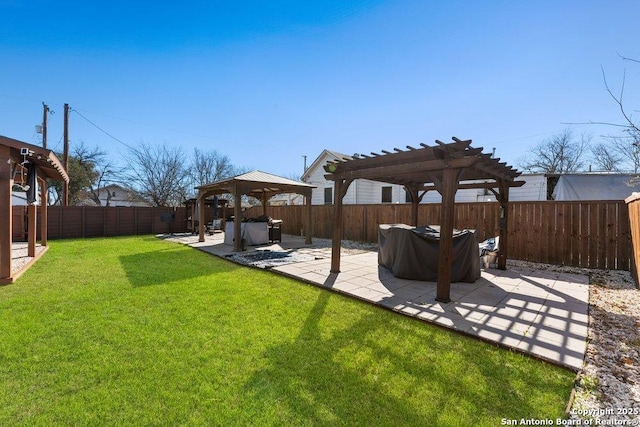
<point x="633" y="205"/>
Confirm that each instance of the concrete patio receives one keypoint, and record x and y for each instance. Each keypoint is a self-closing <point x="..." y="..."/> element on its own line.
<point x="540" y="313"/>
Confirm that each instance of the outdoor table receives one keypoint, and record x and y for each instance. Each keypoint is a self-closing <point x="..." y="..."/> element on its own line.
<point x="413" y="252"/>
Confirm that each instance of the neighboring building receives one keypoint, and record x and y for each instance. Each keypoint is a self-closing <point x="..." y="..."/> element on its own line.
<point x="373" y="192"/>
<point x="116" y="195"/>
<point x="286" y="199"/>
<point x="595" y="186"/>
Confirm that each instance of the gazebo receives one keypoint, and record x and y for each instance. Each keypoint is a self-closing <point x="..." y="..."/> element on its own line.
<point x="33" y="165"/>
<point x="260" y="185"/>
<point x="445" y="167"/>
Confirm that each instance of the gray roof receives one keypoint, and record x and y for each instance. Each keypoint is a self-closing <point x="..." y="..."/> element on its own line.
<point x="256" y="183"/>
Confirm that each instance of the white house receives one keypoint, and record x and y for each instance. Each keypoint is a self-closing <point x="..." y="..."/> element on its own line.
<point x="373" y="192"/>
<point x="116" y="195"/>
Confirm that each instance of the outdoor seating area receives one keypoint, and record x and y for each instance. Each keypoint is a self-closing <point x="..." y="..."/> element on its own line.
<point x="541" y="313"/>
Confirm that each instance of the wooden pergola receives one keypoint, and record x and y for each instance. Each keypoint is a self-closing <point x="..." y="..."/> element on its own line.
<point x="260" y="185"/>
<point x="445" y="167"/>
<point x="16" y="158"/>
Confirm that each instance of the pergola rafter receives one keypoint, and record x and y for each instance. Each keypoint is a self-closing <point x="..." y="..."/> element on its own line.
<point x="444" y="167"/>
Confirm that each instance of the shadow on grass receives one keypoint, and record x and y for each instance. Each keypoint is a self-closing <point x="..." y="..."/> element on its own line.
<point x="170" y="265"/>
<point x="322" y="380"/>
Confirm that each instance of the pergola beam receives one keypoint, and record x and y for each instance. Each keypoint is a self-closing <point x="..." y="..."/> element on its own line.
<point x="445" y="167"/>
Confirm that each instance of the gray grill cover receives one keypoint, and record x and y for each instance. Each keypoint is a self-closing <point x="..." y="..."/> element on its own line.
<point x="412" y="252"/>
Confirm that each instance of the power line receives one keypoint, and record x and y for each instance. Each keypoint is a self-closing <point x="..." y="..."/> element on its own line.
<point x="102" y="130"/>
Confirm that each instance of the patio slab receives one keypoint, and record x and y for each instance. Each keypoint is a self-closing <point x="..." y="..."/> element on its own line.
<point x="541" y="313"/>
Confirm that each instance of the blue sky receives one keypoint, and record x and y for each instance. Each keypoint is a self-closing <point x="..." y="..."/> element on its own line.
<point x="267" y="82"/>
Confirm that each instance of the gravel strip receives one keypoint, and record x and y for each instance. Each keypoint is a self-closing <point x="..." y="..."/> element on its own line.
<point x="607" y="389"/>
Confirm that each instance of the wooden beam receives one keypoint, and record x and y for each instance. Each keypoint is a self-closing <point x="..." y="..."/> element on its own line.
<point x="307" y="233"/>
<point x="340" y="189"/>
<point x="503" y="223"/>
<point x="6" y="223"/>
<point x="44" y="207"/>
<point x="31" y="234"/>
<point x="445" y="250"/>
<point x="237" y="219"/>
<point x="398" y="170"/>
<point x="201" y="218"/>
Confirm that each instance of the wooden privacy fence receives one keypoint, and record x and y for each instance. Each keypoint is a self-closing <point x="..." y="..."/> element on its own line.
<point x="590" y="234"/>
<point x="91" y="221"/>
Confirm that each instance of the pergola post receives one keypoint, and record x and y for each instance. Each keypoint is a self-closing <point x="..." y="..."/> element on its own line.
<point x="340" y="189"/>
<point x="336" y="241"/>
<point x="450" y="180"/>
<point x="44" y="203"/>
<point x="307" y="233"/>
<point x="503" y="223"/>
<point x="6" y="227"/>
<point x="31" y="225"/>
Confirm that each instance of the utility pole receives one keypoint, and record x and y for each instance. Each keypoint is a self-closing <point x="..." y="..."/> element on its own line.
<point x="65" y="154"/>
<point x="45" y="113"/>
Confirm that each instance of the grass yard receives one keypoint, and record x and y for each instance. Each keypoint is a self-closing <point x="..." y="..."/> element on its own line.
<point x="139" y="331"/>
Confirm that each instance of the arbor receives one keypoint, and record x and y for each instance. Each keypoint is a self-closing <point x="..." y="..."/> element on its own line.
<point x="158" y="173"/>
<point x="561" y="153"/>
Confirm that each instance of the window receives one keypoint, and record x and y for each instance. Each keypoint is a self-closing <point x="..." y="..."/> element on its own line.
<point x="386" y="194"/>
<point x="328" y="196"/>
<point x="407" y="196"/>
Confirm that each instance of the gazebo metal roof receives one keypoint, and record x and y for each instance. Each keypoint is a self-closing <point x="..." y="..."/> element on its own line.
<point x="260" y="185"/>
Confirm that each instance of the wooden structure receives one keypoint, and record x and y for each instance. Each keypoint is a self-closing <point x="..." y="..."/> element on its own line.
<point x="444" y="168"/>
<point x="16" y="158"/>
<point x="633" y="203"/>
<point x="193" y="213"/>
<point x="260" y="185"/>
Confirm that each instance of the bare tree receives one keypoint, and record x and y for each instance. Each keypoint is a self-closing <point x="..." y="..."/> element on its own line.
<point x="158" y="174"/>
<point x="606" y="157"/>
<point x="561" y="153"/>
<point x="89" y="170"/>
<point x="210" y="166"/>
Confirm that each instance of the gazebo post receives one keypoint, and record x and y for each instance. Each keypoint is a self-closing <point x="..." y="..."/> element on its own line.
<point x="6" y="183"/>
<point x="445" y="254"/>
<point x="264" y="200"/>
<point x="201" y="222"/>
<point x="237" y="218"/>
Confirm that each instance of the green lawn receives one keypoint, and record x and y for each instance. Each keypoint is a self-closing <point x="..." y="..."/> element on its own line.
<point x="139" y="331"/>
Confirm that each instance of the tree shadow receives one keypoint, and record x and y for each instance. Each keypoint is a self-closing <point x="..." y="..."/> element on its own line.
<point x="160" y="267"/>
